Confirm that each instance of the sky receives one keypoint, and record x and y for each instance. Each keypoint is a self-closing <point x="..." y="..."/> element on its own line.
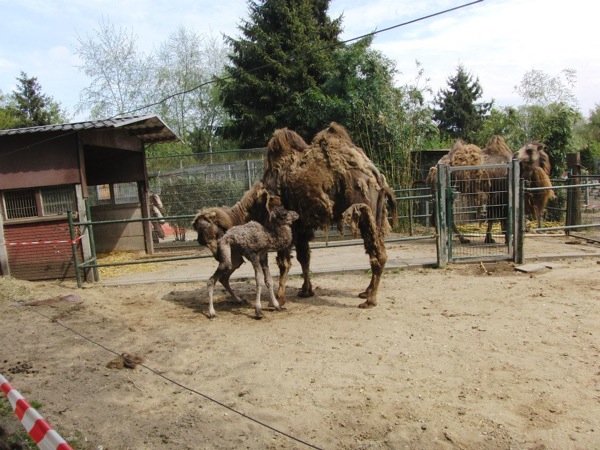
<point x="496" y="41"/>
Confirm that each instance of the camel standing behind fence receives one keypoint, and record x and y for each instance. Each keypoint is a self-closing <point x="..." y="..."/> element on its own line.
<point x="535" y="170"/>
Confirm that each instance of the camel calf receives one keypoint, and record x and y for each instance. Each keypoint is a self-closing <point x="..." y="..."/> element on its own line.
<point x="253" y="241"/>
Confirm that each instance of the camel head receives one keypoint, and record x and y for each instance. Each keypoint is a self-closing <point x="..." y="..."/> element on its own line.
<point x="281" y="216"/>
<point x="533" y="155"/>
<point x="210" y="226"/>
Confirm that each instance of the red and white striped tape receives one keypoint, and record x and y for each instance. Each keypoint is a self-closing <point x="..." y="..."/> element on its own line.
<point x="39" y="430"/>
<point x="67" y="241"/>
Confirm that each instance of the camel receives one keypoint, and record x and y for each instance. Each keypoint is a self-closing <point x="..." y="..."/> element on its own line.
<point x="489" y="185"/>
<point x="535" y="170"/>
<point x="212" y="223"/>
<point x="321" y="182"/>
<point x="253" y="241"/>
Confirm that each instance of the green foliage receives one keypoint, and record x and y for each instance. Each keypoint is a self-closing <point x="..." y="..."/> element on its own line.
<point x="456" y="111"/>
<point x="588" y="133"/>
<point x="553" y="125"/>
<point x="8" y="119"/>
<point x="28" y="106"/>
<point x="506" y="122"/>
<point x="276" y="72"/>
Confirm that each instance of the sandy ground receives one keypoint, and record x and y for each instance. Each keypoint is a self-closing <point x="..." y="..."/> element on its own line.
<point x="474" y="356"/>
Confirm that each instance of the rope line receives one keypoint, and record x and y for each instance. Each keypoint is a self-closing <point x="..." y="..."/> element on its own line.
<point x="64" y="241"/>
<point x="182" y="386"/>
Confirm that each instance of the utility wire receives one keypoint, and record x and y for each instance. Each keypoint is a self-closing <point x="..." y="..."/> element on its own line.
<point x="291" y="58"/>
<point x="182" y="386"/>
<point x="256" y="69"/>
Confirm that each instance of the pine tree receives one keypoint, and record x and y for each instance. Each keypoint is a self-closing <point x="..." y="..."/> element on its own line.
<point x="457" y="113"/>
<point x="276" y="65"/>
<point x="31" y="107"/>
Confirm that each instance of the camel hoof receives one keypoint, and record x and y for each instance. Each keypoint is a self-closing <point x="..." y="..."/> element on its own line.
<point x="367" y="305"/>
<point x="211" y="316"/>
<point x="305" y="294"/>
<point x="281" y="301"/>
<point x="258" y="316"/>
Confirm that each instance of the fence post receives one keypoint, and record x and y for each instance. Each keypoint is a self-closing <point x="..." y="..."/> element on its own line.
<point x="248" y="174"/>
<point x="573" y="195"/>
<point x="518" y="214"/>
<point x="442" y="226"/>
<point x="74" y="248"/>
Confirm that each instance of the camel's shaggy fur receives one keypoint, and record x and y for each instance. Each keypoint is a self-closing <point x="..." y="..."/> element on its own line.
<point x="212" y="223"/>
<point x="321" y="181"/>
<point x="535" y="170"/>
<point x="253" y="241"/>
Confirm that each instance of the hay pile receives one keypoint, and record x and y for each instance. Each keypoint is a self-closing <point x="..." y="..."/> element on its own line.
<point x="14" y="290"/>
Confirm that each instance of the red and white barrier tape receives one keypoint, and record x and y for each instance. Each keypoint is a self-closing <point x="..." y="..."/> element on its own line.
<point x="67" y="241"/>
<point x="39" y="430"/>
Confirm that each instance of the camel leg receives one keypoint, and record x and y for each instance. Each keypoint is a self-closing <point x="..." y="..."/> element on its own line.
<point x="257" y="276"/>
<point x="488" y="233"/>
<point x="264" y="262"/>
<point x="362" y="216"/>
<point x="236" y="262"/>
<point x="210" y="284"/>
<point x="284" y="262"/>
<point x="303" y="257"/>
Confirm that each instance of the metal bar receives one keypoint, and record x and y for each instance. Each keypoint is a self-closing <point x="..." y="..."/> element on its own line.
<point x="568" y="227"/>
<point x="442" y="229"/>
<point x="90" y="230"/>
<point x="568" y="186"/>
<point x="141" y="219"/>
<point x="578" y="236"/>
<point x="74" y="249"/>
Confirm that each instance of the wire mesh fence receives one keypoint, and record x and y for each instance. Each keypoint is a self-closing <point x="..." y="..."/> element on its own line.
<point x="480" y="206"/>
<point x="574" y="208"/>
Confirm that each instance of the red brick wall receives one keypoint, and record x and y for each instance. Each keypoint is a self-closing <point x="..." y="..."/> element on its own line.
<point x="40" y="261"/>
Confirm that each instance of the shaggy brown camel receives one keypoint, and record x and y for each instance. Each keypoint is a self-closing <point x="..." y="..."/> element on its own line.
<point x="321" y="181"/>
<point x="253" y="241"/>
<point x="535" y="170"/>
<point x="212" y="223"/>
<point x="489" y="185"/>
<point x="473" y="183"/>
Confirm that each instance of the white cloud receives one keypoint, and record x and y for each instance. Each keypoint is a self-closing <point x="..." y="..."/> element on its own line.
<point x="497" y="40"/>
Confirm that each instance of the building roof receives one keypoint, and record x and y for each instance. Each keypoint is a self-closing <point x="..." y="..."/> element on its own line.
<point x="148" y="128"/>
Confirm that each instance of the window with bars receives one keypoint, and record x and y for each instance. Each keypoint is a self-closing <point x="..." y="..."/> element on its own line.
<point x="113" y="194"/>
<point x="40" y="202"/>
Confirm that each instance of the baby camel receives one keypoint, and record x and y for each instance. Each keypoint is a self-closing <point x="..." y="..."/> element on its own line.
<point x="253" y="241"/>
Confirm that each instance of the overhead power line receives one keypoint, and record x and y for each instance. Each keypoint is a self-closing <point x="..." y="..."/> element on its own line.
<point x="264" y="66"/>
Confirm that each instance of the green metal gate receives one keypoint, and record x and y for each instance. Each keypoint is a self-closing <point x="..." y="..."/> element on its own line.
<point x="478" y="213"/>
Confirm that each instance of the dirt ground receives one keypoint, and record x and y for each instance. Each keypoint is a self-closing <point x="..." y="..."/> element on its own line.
<point x="474" y="356"/>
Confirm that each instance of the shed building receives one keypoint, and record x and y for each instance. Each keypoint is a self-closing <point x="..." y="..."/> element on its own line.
<point x="46" y="171"/>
